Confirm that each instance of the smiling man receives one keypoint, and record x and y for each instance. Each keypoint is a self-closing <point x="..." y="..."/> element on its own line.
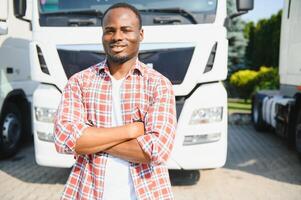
<point x="118" y="119"/>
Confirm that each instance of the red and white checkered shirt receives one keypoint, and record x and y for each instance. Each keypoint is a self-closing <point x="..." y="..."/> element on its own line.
<point x="145" y="95"/>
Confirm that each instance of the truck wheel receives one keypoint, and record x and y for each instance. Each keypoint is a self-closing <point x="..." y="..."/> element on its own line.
<point x="184" y="177"/>
<point x="10" y="130"/>
<point x="257" y="119"/>
<point x="298" y="133"/>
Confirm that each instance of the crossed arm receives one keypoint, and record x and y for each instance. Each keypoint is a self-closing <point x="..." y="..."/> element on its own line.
<point x="118" y="141"/>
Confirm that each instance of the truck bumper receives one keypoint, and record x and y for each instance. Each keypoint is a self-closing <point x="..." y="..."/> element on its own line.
<point x="47" y="96"/>
<point x="210" y="153"/>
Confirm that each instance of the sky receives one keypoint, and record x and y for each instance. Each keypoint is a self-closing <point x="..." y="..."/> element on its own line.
<point x="263" y="9"/>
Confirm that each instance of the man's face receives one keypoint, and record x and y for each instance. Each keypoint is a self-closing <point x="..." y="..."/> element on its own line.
<point x="121" y="35"/>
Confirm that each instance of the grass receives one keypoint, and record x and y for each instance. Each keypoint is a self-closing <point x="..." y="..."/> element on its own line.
<point x="239" y="105"/>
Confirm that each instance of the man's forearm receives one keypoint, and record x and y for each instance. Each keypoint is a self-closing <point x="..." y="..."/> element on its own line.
<point x="129" y="150"/>
<point x="94" y="139"/>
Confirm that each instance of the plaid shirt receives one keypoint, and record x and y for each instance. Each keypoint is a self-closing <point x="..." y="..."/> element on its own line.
<point x="145" y="95"/>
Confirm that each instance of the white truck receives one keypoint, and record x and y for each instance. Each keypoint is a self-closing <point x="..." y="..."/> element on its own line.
<point x="44" y="42"/>
<point x="281" y="109"/>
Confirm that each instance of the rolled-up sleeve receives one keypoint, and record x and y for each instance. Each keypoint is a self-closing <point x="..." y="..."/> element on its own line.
<point x="160" y="124"/>
<point x="70" y="120"/>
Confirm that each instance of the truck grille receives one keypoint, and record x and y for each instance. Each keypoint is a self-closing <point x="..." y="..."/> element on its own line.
<point x="172" y="63"/>
<point x="76" y="61"/>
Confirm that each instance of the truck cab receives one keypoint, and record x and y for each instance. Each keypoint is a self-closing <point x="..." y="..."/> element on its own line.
<point x="186" y="41"/>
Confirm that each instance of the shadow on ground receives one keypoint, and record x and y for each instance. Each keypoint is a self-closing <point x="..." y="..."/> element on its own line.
<point x="263" y="154"/>
<point x="23" y="167"/>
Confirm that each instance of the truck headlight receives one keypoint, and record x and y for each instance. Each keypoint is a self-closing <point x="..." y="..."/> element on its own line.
<point x="206" y="115"/>
<point x="45" y="114"/>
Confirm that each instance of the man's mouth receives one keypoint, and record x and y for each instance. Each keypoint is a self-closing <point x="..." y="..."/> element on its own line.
<point x="117" y="48"/>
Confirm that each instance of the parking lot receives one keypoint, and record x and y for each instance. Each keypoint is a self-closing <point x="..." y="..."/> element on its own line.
<point x="259" y="166"/>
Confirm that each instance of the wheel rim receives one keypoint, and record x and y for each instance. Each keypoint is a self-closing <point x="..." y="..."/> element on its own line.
<point x="11" y="130"/>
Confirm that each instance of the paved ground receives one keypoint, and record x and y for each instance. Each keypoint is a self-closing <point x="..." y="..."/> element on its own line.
<point x="259" y="166"/>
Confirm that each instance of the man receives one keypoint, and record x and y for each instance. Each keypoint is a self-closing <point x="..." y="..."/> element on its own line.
<point x="118" y="119"/>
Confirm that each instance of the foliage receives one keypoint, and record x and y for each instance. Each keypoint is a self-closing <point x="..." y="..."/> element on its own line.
<point x="246" y="82"/>
<point x="267" y="78"/>
<point x="263" y="42"/>
<point x="261" y="49"/>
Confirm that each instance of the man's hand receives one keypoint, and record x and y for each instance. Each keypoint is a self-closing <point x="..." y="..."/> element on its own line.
<point x="136" y="129"/>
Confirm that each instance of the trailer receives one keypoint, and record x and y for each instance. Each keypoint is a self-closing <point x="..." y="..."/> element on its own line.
<point x="281" y="109"/>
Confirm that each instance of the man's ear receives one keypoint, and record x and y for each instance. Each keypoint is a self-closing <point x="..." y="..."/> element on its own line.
<point x="141" y="34"/>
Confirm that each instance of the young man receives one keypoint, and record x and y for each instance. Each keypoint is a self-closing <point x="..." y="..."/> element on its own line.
<point x="118" y="118"/>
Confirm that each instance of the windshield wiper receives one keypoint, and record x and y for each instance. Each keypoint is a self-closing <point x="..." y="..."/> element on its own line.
<point x="90" y="12"/>
<point x="181" y="11"/>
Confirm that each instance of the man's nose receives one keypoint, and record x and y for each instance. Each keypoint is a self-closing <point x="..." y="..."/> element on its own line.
<point x="118" y="35"/>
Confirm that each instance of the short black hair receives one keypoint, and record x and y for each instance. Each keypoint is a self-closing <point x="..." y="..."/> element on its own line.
<point x="127" y="6"/>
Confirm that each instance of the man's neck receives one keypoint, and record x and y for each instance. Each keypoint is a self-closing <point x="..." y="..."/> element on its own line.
<point x="118" y="71"/>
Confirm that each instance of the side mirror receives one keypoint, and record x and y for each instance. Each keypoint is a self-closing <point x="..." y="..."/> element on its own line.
<point x="244" y="5"/>
<point x="19" y="8"/>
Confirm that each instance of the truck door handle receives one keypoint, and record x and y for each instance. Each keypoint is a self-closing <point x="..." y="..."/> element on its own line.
<point x="9" y="70"/>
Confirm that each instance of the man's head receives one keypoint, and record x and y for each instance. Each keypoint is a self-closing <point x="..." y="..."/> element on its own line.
<point x="122" y="32"/>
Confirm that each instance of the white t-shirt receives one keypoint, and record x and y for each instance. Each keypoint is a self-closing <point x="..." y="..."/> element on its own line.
<point x="118" y="184"/>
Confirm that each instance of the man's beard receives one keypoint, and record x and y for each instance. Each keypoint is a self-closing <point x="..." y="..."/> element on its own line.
<point x="118" y="59"/>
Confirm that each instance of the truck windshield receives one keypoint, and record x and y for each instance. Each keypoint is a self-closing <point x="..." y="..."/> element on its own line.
<point x="153" y="12"/>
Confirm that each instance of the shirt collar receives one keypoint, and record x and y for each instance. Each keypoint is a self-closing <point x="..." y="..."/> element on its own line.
<point x="102" y="67"/>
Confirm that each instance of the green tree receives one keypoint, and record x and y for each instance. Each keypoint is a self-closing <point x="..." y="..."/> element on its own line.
<point x="237" y="41"/>
<point x="249" y="32"/>
<point x="263" y="42"/>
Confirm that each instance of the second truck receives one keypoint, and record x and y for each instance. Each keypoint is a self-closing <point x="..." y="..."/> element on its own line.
<point x="281" y="109"/>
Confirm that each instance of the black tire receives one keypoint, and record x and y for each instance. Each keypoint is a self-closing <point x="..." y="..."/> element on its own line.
<point x="184" y="177"/>
<point x="10" y="130"/>
<point x="298" y="133"/>
<point x="257" y="119"/>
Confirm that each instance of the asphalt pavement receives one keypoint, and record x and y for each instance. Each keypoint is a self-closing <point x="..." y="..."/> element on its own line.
<point x="259" y="166"/>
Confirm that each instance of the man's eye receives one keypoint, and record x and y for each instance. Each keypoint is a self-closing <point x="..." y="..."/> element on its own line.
<point x="109" y="31"/>
<point x="127" y="30"/>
